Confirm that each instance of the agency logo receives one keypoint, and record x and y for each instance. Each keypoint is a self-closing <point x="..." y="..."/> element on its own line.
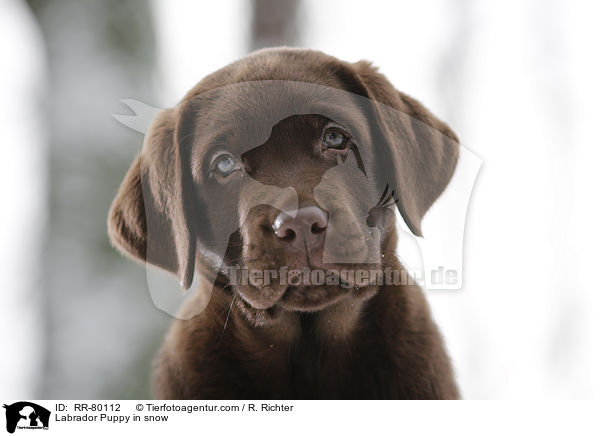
<point x="26" y="415"/>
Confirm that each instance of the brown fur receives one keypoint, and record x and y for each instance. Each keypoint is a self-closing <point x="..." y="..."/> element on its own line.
<point x="277" y="342"/>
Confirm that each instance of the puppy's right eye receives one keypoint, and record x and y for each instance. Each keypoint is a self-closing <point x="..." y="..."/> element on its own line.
<point x="334" y="138"/>
<point x="224" y="164"/>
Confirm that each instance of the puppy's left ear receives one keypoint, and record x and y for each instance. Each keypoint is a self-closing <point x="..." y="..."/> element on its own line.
<point x="417" y="152"/>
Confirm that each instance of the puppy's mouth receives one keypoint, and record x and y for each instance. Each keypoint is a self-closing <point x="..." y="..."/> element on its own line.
<point x="309" y="290"/>
<point x="295" y="298"/>
<point x="311" y="298"/>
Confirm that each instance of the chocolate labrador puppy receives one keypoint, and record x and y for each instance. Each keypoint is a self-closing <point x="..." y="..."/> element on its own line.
<point x="273" y="182"/>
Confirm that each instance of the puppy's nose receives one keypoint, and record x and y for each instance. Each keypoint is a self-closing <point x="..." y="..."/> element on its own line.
<point x="306" y="230"/>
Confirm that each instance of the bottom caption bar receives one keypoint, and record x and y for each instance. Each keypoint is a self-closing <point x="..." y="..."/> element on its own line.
<point x="299" y="417"/>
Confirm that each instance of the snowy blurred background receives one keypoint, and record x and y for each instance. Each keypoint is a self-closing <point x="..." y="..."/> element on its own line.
<point x="518" y="81"/>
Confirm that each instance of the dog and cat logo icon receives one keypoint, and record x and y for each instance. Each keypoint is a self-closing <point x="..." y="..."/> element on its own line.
<point x="26" y="415"/>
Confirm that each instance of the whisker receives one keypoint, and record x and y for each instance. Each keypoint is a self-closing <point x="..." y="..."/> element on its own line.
<point x="228" y="313"/>
<point x="383" y="195"/>
<point x="391" y="203"/>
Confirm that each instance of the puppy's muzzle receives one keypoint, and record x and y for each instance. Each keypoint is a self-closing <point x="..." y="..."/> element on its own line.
<point x="304" y="232"/>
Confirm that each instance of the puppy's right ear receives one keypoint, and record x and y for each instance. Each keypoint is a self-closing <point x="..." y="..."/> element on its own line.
<point x="148" y="219"/>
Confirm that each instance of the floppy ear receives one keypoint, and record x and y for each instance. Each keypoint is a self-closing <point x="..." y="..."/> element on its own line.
<point x="150" y="218"/>
<point x="418" y="152"/>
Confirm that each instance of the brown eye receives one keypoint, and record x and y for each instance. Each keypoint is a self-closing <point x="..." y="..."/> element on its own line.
<point x="334" y="138"/>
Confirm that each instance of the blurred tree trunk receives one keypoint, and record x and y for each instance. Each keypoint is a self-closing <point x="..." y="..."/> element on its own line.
<point x="274" y="23"/>
<point x="102" y="327"/>
<point x="22" y="189"/>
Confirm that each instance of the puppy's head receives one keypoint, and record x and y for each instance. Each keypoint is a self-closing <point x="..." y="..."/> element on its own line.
<point x="288" y="161"/>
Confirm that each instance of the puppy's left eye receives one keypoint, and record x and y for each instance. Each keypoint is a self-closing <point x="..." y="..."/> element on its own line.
<point x="225" y="164"/>
<point x="334" y="138"/>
